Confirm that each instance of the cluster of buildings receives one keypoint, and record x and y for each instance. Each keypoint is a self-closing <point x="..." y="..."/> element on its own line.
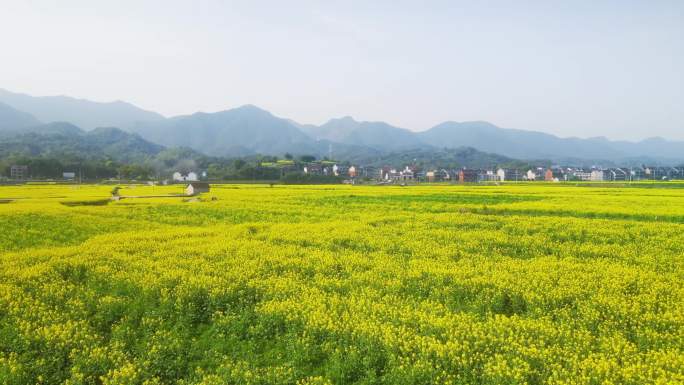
<point x="465" y="175"/>
<point x="21" y="172"/>
<point x="332" y="170"/>
<point x="186" y="177"/>
<point x="594" y="174"/>
<point x="410" y="173"/>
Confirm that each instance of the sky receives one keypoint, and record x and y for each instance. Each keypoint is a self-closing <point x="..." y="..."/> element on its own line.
<point x="570" y="68"/>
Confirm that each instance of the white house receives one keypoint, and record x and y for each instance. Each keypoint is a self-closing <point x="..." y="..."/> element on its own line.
<point x="190" y="177"/>
<point x="196" y="188"/>
<point x="430" y="176"/>
<point x="596" y="175"/>
<point x="408" y="173"/>
<point x="582" y="175"/>
<point x="444" y="174"/>
<point x="501" y="173"/>
<point x="385" y="173"/>
<point x="490" y="176"/>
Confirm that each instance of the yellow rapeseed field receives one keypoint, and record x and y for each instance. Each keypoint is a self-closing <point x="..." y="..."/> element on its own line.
<point x="252" y="284"/>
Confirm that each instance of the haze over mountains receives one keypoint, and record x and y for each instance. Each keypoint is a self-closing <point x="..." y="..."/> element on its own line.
<point x="239" y="131"/>
<point x="378" y="135"/>
<point x="80" y="112"/>
<point x="249" y="130"/>
<point x="13" y="119"/>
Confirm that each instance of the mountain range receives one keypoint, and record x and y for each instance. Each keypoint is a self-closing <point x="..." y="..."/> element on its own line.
<point x="80" y="112"/>
<point x="12" y="119"/>
<point x="378" y="135"/>
<point x="249" y="130"/>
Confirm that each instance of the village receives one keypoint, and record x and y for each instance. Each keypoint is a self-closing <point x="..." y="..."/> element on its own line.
<point x="331" y="172"/>
<point x="409" y="173"/>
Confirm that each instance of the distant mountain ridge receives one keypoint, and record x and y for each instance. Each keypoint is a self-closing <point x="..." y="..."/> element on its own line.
<point x="249" y="130"/>
<point x="12" y="119"/>
<point x="242" y="130"/>
<point x="371" y="134"/>
<point x="523" y="144"/>
<point x="80" y="112"/>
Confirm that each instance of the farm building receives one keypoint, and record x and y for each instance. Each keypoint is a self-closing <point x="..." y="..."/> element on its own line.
<point x="509" y="174"/>
<point x="442" y="175"/>
<point x="488" y="176"/>
<point x="501" y="173"/>
<point x="532" y="174"/>
<point x="597" y="175"/>
<point x="196" y="188"/>
<point x="367" y="171"/>
<point x="408" y="173"/>
<point x="677" y="172"/>
<point x="655" y="173"/>
<point x="395" y="175"/>
<point x="340" y="170"/>
<point x="468" y="176"/>
<point x="430" y="176"/>
<point x="638" y="173"/>
<point x="313" y="169"/>
<point x="384" y="173"/>
<point x="659" y="173"/>
<point x="582" y="174"/>
<point x="555" y="175"/>
<point x="19" y="172"/>
<point x="548" y="175"/>
<point x="616" y="174"/>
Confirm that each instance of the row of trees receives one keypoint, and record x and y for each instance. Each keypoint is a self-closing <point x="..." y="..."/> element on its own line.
<point x="53" y="168"/>
<point x="157" y="167"/>
<point x="303" y="158"/>
<point x="150" y="169"/>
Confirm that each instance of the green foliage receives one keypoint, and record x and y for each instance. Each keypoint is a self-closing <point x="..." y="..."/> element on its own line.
<point x="52" y="168"/>
<point x="135" y="171"/>
<point x="307" y="158"/>
<point x="447" y="158"/>
<point x="61" y="140"/>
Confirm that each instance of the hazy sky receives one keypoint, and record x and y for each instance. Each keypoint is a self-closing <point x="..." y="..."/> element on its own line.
<point x="572" y="68"/>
